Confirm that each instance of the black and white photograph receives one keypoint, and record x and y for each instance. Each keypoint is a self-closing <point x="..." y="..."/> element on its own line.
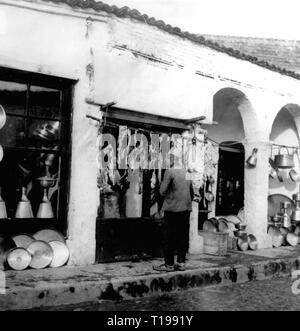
<point x="149" y="158"/>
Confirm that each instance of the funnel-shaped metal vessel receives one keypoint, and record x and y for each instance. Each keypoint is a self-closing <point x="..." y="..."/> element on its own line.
<point x="24" y="209"/>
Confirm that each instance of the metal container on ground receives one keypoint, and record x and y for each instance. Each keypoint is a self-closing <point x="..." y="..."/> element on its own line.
<point x="252" y="242"/>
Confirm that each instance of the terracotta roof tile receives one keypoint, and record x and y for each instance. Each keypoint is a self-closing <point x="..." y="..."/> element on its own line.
<point x="232" y="49"/>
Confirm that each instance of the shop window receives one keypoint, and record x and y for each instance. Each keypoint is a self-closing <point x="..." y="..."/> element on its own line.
<point x="35" y="140"/>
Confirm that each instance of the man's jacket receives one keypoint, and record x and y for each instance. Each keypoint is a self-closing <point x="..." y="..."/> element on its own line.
<point x="177" y="190"/>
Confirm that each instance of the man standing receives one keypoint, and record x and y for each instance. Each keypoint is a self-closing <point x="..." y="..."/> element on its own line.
<point x="178" y="194"/>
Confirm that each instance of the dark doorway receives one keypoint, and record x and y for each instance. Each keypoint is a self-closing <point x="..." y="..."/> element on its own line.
<point x="230" y="186"/>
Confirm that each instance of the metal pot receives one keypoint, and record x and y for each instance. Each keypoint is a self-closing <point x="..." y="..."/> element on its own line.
<point x="242" y="243"/>
<point x="210" y="225"/>
<point x="222" y="225"/>
<point x="209" y="196"/>
<point x="284" y="232"/>
<point x="277" y="237"/>
<point x="284" y="161"/>
<point x="274" y="172"/>
<point x="294" y="175"/>
<point x="241" y="227"/>
<point x="239" y="233"/>
<point x="252" y="242"/>
<point x="292" y="239"/>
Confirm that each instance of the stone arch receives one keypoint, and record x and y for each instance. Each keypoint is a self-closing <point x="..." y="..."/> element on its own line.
<point x="285" y="130"/>
<point x="230" y="101"/>
<point x="290" y="113"/>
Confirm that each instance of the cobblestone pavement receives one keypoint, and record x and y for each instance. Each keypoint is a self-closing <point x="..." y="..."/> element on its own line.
<point x="274" y="294"/>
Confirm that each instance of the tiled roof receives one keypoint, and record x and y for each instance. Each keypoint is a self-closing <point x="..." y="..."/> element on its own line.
<point x="135" y="14"/>
<point x="282" y="53"/>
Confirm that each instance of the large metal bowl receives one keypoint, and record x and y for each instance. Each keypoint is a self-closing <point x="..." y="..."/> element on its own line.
<point x="242" y="243"/>
<point x="23" y="240"/>
<point x="60" y="254"/>
<point x="210" y="225"/>
<point x="48" y="235"/>
<point x="223" y="225"/>
<point x="18" y="258"/>
<point x="292" y="239"/>
<point x="42" y="254"/>
<point x="252" y="242"/>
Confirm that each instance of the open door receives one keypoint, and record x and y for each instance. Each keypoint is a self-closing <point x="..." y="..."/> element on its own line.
<point x="230" y="185"/>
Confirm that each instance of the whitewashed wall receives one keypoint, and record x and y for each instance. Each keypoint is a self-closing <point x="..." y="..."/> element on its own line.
<point x="139" y="67"/>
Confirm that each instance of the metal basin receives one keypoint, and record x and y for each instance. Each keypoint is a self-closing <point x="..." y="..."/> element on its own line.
<point x="42" y="254"/>
<point x="18" y="258"/>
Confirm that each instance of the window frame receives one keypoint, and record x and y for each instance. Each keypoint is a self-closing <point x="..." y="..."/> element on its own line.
<point x="66" y="88"/>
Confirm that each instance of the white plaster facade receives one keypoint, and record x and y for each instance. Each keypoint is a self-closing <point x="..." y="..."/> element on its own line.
<point x="145" y="69"/>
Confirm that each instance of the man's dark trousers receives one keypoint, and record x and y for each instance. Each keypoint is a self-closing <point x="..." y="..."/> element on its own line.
<point x="176" y="236"/>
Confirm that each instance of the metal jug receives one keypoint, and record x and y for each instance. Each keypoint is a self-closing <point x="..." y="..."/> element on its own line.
<point x="45" y="208"/>
<point x="252" y="160"/>
<point x="284" y="161"/>
<point x="24" y="209"/>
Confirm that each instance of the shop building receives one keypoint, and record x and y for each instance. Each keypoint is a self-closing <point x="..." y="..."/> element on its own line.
<point x="63" y="61"/>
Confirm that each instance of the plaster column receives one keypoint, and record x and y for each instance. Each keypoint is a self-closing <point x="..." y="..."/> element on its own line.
<point x="84" y="193"/>
<point x="256" y="192"/>
<point x="194" y="162"/>
<point x="196" y="241"/>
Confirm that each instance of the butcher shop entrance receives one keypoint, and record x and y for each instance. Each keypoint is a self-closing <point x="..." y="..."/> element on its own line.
<point x="130" y="221"/>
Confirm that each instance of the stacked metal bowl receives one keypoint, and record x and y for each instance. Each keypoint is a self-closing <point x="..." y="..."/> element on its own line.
<point x="46" y="248"/>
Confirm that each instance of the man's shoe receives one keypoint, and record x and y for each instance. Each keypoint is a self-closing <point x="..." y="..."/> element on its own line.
<point x="180" y="267"/>
<point x="164" y="268"/>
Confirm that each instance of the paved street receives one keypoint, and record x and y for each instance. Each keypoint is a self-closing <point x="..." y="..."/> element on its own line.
<point x="274" y="294"/>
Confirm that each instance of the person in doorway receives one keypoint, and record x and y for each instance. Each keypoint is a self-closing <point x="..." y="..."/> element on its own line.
<point x="178" y="193"/>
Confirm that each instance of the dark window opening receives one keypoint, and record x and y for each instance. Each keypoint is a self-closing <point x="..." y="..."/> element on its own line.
<point x="230" y="185"/>
<point x="36" y="143"/>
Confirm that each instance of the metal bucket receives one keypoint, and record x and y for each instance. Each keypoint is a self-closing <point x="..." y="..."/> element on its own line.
<point x="284" y="161"/>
